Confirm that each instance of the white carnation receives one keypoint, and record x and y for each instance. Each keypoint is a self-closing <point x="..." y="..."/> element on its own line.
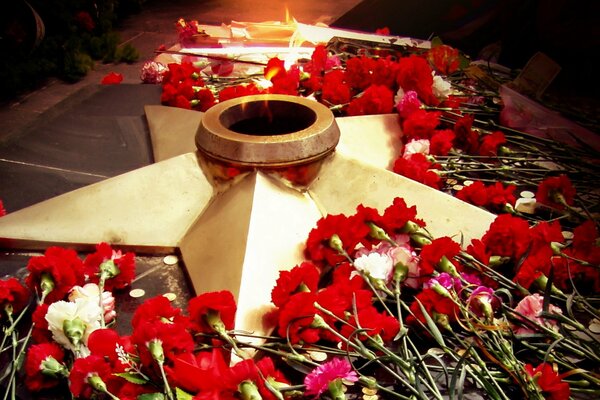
<point x="378" y="266"/>
<point x="88" y="312"/>
<point x="90" y="292"/>
<point x="416" y="146"/>
<point x="441" y="88"/>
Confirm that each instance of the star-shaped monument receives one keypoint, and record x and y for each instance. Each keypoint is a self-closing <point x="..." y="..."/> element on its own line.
<point x="238" y="233"/>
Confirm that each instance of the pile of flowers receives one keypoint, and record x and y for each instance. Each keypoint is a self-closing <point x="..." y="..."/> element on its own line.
<point x="378" y="308"/>
<point x="448" y="116"/>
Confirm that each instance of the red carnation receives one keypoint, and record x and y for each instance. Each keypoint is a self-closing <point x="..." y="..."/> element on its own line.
<point x="376" y="99"/>
<point x="431" y="254"/>
<point x="507" y="236"/>
<point x="340" y="299"/>
<point x="44" y="366"/>
<point x="432" y="303"/>
<point x="61" y="266"/>
<point x="418" y="168"/>
<point x="202" y="307"/>
<point x="104" y="342"/>
<point x="441" y="142"/>
<point x="318" y="61"/>
<point x="287" y="84"/>
<point x="174" y="340"/>
<point x="444" y="58"/>
<point x="203" y="372"/>
<point x="534" y="266"/>
<point x="493" y="197"/>
<point x="275" y="69"/>
<point x="466" y="138"/>
<point x="330" y="231"/>
<point x="373" y="322"/>
<point x="490" y="143"/>
<point x="414" y="73"/>
<point x="345" y="275"/>
<point x="84" y="369"/>
<point x="474" y="193"/>
<point x="335" y="90"/>
<point x="549" y="382"/>
<point x="14" y="295"/>
<point x="556" y="192"/>
<point x="303" y="277"/>
<point x="398" y="214"/>
<point x="500" y="195"/>
<point x="2" y="209"/>
<point x="124" y="264"/>
<point x="40" y="333"/>
<point x="158" y="308"/>
<point x="420" y="124"/>
<point x="585" y="237"/>
<point x="232" y="92"/>
<point x="271" y="375"/>
<point x="205" y="98"/>
<point x="358" y="72"/>
<point x="296" y="317"/>
<point x="384" y="73"/>
<point x="544" y="233"/>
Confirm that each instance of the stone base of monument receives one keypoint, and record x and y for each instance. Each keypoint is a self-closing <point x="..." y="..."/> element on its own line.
<point x="240" y="207"/>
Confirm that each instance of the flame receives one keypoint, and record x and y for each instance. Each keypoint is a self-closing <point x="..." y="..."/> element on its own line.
<point x="288" y="19"/>
<point x="266" y="111"/>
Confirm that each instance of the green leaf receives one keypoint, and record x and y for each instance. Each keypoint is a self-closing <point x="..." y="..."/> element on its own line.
<point x="132" y="378"/>
<point x="433" y="328"/>
<point x="151" y="396"/>
<point x="182" y="395"/>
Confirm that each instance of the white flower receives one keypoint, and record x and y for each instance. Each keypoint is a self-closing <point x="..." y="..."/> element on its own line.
<point x="398" y="97"/>
<point x="376" y="265"/>
<point x="441" y="88"/>
<point x="416" y="146"/>
<point x="81" y="312"/>
<point x="90" y="292"/>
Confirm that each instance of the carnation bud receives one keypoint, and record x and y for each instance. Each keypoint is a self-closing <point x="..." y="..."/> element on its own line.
<point x="213" y="318"/>
<point x="52" y="368"/>
<point x="496" y="261"/>
<point x="440" y="289"/>
<point x="296" y="357"/>
<point x="542" y="282"/>
<point x="420" y="239"/>
<point x="442" y="320"/>
<point x="74" y="330"/>
<point x="97" y="383"/>
<point x="336" y="243"/>
<point x="156" y="350"/>
<point x="249" y="391"/>
<point x="108" y="269"/>
<point x="368" y="381"/>
<point x="318" y="322"/>
<point x="445" y="265"/>
<point x="336" y="389"/>
<point x="411" y="227"/>
<point x="46" y="284"/>
<point x="377" y="232"/>
<point x="400" y="272"/>
<point x="556" y="248"/>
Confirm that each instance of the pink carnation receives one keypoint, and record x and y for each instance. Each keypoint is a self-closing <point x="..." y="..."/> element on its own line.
<point x="531" y="307"/>
<point x="319" y="379"/>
